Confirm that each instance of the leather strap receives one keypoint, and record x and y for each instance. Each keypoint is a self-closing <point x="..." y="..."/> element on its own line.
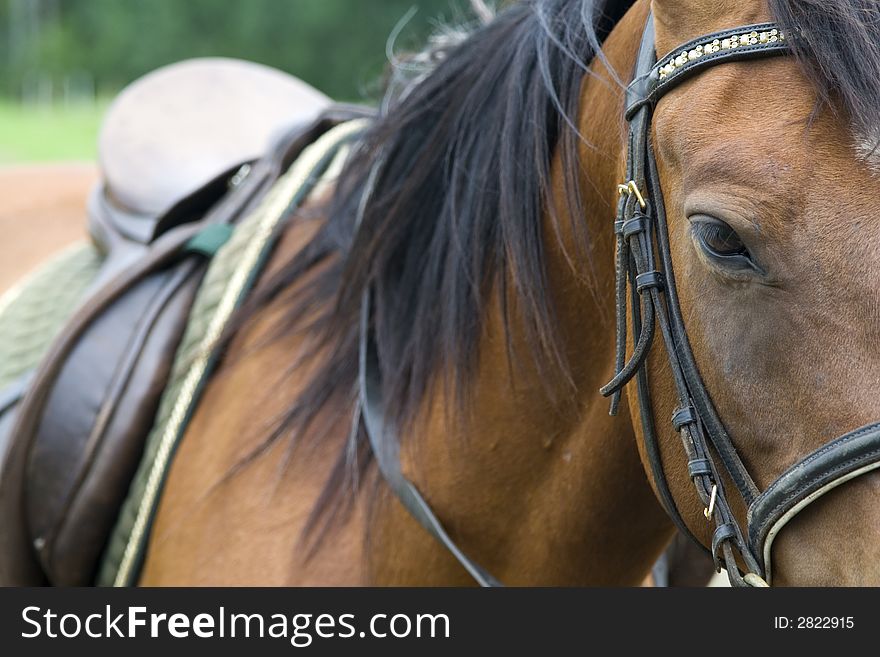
<point x="640" y="228"/>
<point x="386" y="448"/>
<point x="841" y="460"/>
<point x="651" y="85"/>
<point x="643" y="322"/>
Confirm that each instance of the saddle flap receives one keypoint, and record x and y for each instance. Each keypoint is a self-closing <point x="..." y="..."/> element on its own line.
<point x="102" y="405"/>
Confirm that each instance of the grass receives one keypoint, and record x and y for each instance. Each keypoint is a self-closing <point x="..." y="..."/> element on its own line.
<point x="48" y="134"/>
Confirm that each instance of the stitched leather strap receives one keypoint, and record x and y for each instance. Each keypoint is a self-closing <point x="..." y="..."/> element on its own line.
<point x="640" y="228"/>
<point x="649" y="87"/>
<point x="826" y="468"/>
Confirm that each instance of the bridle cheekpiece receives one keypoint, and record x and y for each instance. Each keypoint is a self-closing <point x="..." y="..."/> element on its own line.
<point x="646" y="286"/>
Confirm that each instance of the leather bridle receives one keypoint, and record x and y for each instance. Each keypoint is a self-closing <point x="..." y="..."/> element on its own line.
<point x="646" y="286"/>
<point x="646" y="283"/>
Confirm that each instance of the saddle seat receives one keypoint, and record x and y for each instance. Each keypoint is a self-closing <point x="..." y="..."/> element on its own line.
<point x="183" y="126"/>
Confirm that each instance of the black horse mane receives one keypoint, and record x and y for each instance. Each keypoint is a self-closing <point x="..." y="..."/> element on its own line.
<point x="838" y="45"/>
<point x="458" y="166"/>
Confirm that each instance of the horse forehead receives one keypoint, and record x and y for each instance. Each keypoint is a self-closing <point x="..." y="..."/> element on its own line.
<point x="678" y="21"/>
<point x="765" y="111"/>
<point x="757" y="112"/>
<point x="750" y="128"/>
<point x="764" y="100"/>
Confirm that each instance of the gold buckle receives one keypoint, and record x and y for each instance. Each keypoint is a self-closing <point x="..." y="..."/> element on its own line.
<point x="709" y="509"/>
<point x="632" y="188"/>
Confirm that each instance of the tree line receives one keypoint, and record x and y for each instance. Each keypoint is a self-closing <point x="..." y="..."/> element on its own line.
<point x="100" y="45"/>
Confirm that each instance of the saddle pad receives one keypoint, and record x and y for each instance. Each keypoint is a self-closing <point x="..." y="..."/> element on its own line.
<point x="32" y="312"/>
<point x="230" y="276"/>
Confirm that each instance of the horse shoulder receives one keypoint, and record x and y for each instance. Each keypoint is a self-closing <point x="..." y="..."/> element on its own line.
<point x="221" y="522"/>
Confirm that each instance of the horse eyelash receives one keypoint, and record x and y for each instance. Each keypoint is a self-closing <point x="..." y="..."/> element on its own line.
<point x="706" y="231"/>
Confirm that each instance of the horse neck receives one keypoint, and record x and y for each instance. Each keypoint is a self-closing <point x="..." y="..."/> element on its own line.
<point x="536" y="490"/>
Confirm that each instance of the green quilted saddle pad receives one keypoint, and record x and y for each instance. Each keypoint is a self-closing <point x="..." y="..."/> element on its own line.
<point x="35" y="310"/>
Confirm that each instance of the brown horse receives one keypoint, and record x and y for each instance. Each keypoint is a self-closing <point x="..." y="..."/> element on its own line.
<point x="478" y="212"/>
<point x="495" y="335"/>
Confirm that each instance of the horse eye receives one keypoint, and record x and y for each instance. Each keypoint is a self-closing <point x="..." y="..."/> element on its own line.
<point x="719" y="240"/>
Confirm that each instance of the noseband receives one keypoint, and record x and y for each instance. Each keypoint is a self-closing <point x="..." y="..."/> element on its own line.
<point x="646" y="284"/>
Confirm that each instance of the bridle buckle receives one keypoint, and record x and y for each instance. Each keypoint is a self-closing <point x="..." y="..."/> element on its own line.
<point x="632" y="188"/>
<point x="711" y="508"/>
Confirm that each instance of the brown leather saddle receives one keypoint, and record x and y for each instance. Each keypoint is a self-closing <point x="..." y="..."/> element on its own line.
<point x="185" y="152"/>
<point x="172" y="141"/>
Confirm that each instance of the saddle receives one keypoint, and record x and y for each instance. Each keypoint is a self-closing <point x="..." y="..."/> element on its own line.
<point x="172" y="141"/>
<point x="185" y="153"/>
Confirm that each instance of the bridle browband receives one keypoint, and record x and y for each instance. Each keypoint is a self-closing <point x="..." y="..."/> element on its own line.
<point x="645" y="283"/>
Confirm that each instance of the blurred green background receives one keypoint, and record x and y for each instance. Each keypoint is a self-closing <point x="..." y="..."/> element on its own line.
<point x="61" y="61"/>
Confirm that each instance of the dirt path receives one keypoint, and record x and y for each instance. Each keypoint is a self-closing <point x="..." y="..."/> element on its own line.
<point x="42" y="210"/>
